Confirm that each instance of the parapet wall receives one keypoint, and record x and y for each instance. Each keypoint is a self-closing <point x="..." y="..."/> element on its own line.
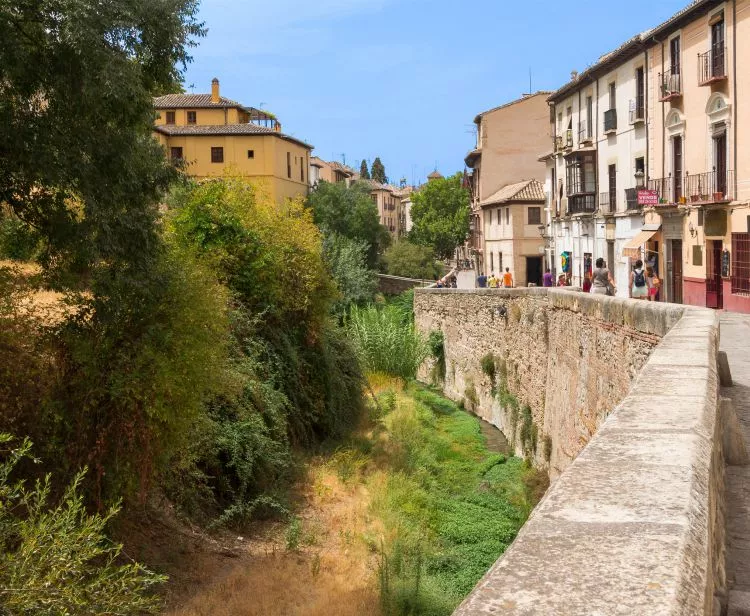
<point x="627" y="394"/>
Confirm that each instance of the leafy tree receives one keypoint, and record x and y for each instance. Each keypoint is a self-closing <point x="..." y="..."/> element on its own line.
<point x="347" y="262"/>
<point x="56" y="559"/>
<point x="351" y="213"/>
<point x="441" y="212"/>
<point x="364" y="173"/>
<point x="410" y="260"/>
<point x="378" y="171"/>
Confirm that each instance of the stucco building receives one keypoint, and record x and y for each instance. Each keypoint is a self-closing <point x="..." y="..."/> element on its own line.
<point x="509" y="139"/>
<point x="333" y="172"/>
<point x="212" y="135"/>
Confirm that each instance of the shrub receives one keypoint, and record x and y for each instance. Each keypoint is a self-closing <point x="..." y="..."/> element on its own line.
<point x="56" y="559"/>
<point x="385" y="343"/>
<point x="436" y="342"/>
<point x="347" y="261"/>
<point x="18" y="240"/>
<point x="411" y="261"/>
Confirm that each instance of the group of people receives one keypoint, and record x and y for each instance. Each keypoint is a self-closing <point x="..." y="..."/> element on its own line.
<point x="642" y="283"/>
<point x="494" y="282"/>
<point x="447" y="283"/>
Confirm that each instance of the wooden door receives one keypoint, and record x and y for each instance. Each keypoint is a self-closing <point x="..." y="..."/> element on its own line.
<point x="714" y="286"/>
<point x="677" y="167"/>
<point x="674" y="272"/>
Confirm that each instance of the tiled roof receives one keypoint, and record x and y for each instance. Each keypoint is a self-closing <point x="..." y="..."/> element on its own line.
<point x="193" y="101"/>
<point x="528" y="190"/>
<point x="435" y="175"/>
<point x="192" y="130"/>
<point x="513" y="102"/>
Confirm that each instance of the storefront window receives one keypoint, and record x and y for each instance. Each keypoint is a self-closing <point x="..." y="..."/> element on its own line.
<point x="740" y="263"/>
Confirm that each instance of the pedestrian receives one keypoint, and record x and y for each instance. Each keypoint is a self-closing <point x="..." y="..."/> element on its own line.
<point x="453" y="282"/>
<point x="492" y="281"/>
<point x="602" y="283"/>
<point x="561" y="282"/>
<point x="439" y="284"/>
<point x="639" y="284"/>
<point x="508" y="279"/>
<point x="481" y="280"/>
<point x="587" y="282"/>
<point x="654" y="284"/>
<point x="548" y="280"/>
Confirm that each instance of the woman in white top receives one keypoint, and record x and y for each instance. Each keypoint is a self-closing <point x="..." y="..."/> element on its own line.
<point x="639" y="282"/>
<point x="601" y="278"/>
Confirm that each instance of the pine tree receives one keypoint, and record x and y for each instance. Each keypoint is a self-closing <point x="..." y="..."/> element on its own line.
<point x="378" y="171"/>
<point x="364" y="172"/>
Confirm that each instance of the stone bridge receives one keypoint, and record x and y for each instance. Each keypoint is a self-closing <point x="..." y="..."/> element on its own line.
<point x="620" y="401"/>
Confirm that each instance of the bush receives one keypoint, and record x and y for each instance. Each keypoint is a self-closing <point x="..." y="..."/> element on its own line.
<point x="385" y="343"/>
<point x="411" y="261"/>
<point x="18" y="240"/>
<point x="436" y="342"/>
<point x="56" y="559"/>
<point x="347" y="261"/>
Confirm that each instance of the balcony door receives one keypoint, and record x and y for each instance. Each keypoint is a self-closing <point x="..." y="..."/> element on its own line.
<point x="674" y="56"/>
<point x="717" y="49"/>
<point x="677" y="167"/>
<point x="720" y="163"/>
<point x="612" y="173"/>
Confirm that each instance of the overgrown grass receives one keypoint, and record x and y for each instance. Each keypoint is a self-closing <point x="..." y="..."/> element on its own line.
<point x="449" y="507"/>
<point x="386" y="341"/>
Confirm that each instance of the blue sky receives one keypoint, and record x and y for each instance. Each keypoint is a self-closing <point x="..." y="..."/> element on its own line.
<point x="402" y="79"/>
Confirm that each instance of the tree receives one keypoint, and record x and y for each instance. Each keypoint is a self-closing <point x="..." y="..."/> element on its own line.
<point x="364" y="173"/>
<point x="411" y="261"/>
<point x="347" y="262"/>
<point x="441" y="212"/>
<point x="349" y="212"/>
<point x="378" y="171"/>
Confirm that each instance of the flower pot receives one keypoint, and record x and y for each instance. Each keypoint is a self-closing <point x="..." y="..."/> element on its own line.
<point x="718" y="196"/>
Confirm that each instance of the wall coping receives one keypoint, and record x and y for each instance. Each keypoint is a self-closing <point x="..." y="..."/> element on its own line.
<point x="629" y="527"/>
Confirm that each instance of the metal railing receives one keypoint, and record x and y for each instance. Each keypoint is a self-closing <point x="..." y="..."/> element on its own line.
<point x="670" y="84"/>
<point x="607" y="203"/>
<point x="637" y="111"/>
<point x="558" y="143"/>
<point x="584" y="134"/>
<point x="712" y="66"/>
<point x="631" y="199"/>
<point x="569" y="138"/>
<point x="708" y="187"/>
<point x="610" y="120"/>
<point x="582" y="204"/>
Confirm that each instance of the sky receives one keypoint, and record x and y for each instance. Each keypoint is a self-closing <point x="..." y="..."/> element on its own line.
<point x="402" y="79"/>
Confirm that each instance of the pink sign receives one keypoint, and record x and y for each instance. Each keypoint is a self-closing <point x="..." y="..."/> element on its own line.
<point x="648" y="197"/>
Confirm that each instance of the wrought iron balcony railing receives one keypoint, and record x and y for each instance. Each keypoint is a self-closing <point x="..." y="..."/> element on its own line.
<point x="670" y="85"/>
<point x="610" y="120"/>
<point x="607" y="203"/>
<point x="631" y="199"/>
<point x="637" y="111"/>
<point x="712" y="66"/>
<point x="584" y="134"/>
<point x="708" y="187"/>
<point x="582" y="204"/>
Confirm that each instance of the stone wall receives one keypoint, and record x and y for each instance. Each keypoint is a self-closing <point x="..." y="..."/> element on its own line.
<point x="569" y="357"/>
<point x="394" y="285"/>
<point x="634" y="525"/>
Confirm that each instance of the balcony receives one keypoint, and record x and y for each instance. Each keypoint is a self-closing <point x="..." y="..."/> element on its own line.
<point x="637" y="111"/>
<point x="569" y="138"/>
<point x="631" y="200"/>
<point x="712" y="66"/>
<point x="610" y="121"/>
<point x="670" y="85"/>
<point x="699" y="188"/>
<point x="584" y="134"/>
<point x="607" y="203"/>
<point x="582" y="204"/>
<point x="559" y="144"/>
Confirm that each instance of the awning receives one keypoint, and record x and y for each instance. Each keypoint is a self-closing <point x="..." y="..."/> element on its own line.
<point x="633" y="248"/>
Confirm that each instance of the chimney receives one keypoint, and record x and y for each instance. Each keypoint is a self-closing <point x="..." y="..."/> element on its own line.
<point x="277" y="127"/>
<point x="214" y="90"/>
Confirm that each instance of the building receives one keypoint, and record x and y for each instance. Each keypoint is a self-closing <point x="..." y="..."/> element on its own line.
<point x="333" y="172"/>
<point x="212" y="135"/>
<point x="598" y="163"/>
<point x="509" y="139"/>
<point x="388" y="200"/>
<point x="511" y="219"/>
<point x="699" y="171"/>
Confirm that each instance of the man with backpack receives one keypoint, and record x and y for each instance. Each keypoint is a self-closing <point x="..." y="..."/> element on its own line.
<point x="639" y="282"/>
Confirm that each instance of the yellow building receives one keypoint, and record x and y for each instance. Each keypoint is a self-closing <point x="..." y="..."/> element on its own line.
<point x="212" y="135"/>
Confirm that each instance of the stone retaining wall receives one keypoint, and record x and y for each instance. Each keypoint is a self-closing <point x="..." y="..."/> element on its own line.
<point x="394" y="285"/>
<point x="634" y="525"/>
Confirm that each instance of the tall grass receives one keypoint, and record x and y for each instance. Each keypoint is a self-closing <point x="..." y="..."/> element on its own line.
<point x="386" y="342"/>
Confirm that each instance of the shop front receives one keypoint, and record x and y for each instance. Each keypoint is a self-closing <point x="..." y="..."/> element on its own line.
<point x="736" y="261"/>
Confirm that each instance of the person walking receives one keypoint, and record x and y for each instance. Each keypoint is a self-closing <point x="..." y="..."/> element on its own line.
<point x="492" y="282"/>
<point x="482" y="280"/>
<point x="547" y="279"/>
<point x="587" y="282"/>
<point x="654" y="284"/>
<point x="639" y="284"/>
<point x="508" y="279"/>
<point x="602" y="283"/>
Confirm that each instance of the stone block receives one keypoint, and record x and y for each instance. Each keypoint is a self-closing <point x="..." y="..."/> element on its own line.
<point x="725" y="374"/>
<point x="735" y="450"/>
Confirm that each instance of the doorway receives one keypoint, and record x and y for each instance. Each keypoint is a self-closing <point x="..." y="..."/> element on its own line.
<point x="674" y="271"/>
<point x="534" y="271"/>
<point x="714" y="286"/>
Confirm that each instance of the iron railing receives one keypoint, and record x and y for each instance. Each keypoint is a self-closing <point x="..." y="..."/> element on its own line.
<point x="607" y="203"/>
<point x="712" y="66"/>
<point x="582" y="204"/>
<point x="584" y="134"/>
<point x="670" y="85"/>
<point x="569" y="138"/>
<point x="610" y="120"/>
<point x="709" y="187"/>
<point x="637" y="111"/>
<point x="631" y="199"/>
<point x="558" y="143"/>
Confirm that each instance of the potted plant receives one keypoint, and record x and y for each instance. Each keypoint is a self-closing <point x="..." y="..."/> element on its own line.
<point x="718" y="196"/>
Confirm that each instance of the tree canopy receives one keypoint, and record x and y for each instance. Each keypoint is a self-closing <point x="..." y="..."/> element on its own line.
<point x="378" y="171"/>
<point x="364" y="172"/>
<point x="411" y="261"/>
<point x="351" y="213"/>
<point x="440" y="213"/>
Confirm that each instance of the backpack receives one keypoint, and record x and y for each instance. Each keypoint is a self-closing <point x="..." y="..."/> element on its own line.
<point x="640" y="279"/>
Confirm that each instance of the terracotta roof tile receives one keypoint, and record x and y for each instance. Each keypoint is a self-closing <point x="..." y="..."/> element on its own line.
<point x="528" y="190"/>
<point x="191" y="130"/>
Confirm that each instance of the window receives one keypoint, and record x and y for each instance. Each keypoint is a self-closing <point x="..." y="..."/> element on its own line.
<point x="170" y="117"/>
<point x="492" y="262"/>
<point x="217" y="155"/>
<point x="674" y="55"/>
<point x="192" y="117"/>
<point x="612" y="95"/>
<point x="640" y="94"/>
<point x="301" y="171"/>
<point x="535" y="215"/>
<point x="612" y="176"/>
<point x="507" y="215"/>
<point x="251" y="153"/>
<point x="717" y="48"/>
<point x="741" y="263"/>
<point x="175" y="154"/>
<point x="500" y="261"/>
<point x="640" y="165"/>
<point x="700" y="217"/>
<point x="581" y="175"/>
<point x="589" y="117"/>
<point x="289" y="165"/>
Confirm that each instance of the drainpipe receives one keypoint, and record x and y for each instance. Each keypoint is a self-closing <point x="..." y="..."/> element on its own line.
<point x="734" y="88"/>
<point x="645" y="105"/>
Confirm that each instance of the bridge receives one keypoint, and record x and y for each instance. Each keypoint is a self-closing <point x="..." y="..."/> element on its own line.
<point x="622" y="404"/>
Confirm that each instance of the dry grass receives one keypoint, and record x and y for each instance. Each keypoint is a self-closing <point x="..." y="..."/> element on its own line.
<point x="332" y="573"/>
<point x="32" y="300"/>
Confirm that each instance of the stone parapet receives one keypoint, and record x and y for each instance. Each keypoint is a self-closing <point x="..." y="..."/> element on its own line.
<point x="634" y="524"/>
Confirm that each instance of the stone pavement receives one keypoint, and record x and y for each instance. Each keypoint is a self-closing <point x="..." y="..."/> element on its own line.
<point x="735" y="340"/>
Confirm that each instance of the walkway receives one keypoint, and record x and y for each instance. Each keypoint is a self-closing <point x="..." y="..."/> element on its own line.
<point x="735" y="340"/>
<point x="465" y="279"/>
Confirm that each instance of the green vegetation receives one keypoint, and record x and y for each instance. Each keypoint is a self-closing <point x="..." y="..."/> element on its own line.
<point x="411" y="261"/>
<point x="378" y="171"/>
<point x="364" y="172"/>
<point x="449" y="507"/>
<point x="55" y="558"/>
<point x="436" y="342"/>
<point x="441" y="213"/>
<point x="347" y="261"/>
<point x="17" y="239"/>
